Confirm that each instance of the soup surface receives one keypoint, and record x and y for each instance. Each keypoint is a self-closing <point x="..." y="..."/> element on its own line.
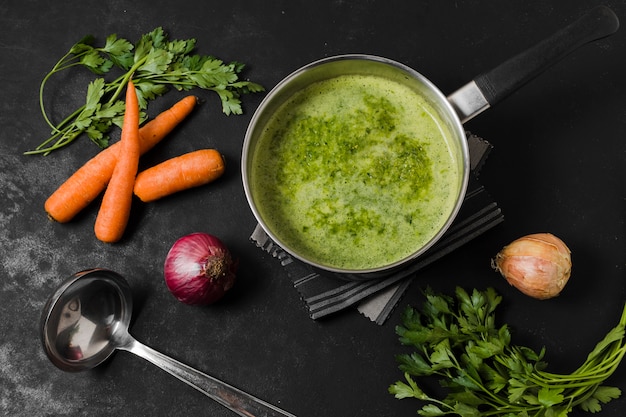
<point x="355" y="172"/>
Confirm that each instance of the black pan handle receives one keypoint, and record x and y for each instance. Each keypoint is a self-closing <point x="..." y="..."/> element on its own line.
<point x="517" y="71"/>
<point x="490" y="87"/>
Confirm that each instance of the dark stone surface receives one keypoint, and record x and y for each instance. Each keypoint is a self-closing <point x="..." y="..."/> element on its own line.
<point x="557" y="166"/>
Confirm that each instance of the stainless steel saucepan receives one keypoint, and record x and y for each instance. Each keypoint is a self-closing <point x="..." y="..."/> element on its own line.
<point x="455" y="109"/>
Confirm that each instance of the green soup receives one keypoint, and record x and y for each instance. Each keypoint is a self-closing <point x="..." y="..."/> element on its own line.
<point x="355" y="172"/>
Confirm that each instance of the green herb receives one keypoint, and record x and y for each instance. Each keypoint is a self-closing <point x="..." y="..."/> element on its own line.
<point x="456" y="339"/>
<point x="155" y="64"/>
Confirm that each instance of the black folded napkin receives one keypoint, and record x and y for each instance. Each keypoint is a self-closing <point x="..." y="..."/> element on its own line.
<point x="377" y="298"/>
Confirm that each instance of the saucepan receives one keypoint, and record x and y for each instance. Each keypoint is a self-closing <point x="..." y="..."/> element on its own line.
<point x="374" y="247"/>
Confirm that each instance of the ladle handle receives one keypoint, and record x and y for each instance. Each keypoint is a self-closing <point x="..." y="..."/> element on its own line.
<point x="230" y="397"/>
<point x="492" y="86"/>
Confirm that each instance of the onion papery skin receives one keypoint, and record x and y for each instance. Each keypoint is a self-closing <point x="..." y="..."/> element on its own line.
<point x="539" y="265"/>
<point x="199" y="269"/>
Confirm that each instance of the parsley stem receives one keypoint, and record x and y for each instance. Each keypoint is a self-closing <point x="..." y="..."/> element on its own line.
<point x="54" y="70"/>
<point x="124" y="80"/>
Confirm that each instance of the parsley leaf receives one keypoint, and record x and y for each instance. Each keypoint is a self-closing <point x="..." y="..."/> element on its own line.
<point x="456" y="339"/>
<point x="549" y="397"/>
<point x="119" y="51"/>
<point x="95" y="62"/>
<point x="605" y="394"/>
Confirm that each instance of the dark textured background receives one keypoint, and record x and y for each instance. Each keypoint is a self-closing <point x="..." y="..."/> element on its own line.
<point x="557" y="166"/>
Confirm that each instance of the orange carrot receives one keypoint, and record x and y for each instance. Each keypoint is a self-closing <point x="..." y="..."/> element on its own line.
<point x="91" y="179"/>
<point x="118" y="196"/>
<point x="183" y="172"/>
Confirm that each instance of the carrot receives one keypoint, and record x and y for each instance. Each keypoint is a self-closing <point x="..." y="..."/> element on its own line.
<point x="180" y="173"/>
<point x="115" y="208"/>
<point x="82" y="187"/>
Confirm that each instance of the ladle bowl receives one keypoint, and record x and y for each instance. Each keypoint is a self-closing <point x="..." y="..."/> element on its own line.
<point x="87" y="318"/>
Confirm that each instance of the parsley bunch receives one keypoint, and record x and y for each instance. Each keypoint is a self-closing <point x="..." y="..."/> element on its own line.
<point x="484" y="374"/>
<point x="155" y="64"/>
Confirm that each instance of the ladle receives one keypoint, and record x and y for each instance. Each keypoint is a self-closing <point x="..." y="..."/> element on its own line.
<point x="87" y="319"/>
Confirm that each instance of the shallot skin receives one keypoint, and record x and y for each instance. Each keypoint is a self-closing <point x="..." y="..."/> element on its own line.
<point x="539" y="265"/>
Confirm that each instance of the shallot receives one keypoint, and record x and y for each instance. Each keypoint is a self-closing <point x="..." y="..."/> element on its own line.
<point x="539" y="265"/>
<point x="199" y="269"/>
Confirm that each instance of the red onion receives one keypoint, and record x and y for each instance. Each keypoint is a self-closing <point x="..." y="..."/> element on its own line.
<point x="199" y="269"/>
